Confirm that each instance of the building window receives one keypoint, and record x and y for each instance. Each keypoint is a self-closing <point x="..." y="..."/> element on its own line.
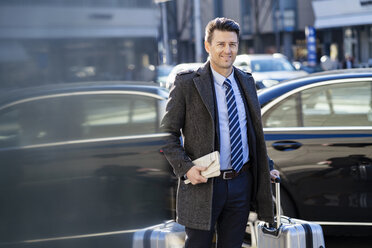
<point x="82" y="3"/>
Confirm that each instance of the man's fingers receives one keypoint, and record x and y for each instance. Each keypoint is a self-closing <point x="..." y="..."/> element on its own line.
<point x="274" y="174"/>
<point x="200" y="168"/>
<point x="194" y="175"/>
<point x="198" y="180"/>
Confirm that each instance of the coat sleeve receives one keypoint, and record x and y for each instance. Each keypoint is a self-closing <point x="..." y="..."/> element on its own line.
<point x="172" y="123"/>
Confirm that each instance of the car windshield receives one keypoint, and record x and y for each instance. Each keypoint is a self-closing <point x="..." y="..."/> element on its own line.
<point x="265" y="65"/>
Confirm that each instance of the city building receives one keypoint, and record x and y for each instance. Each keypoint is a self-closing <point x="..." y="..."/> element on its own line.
<point x="342" y="28"/>
<point x="53" y="41"/>
<point x="267" y="26"/>
<point x="346" y="26"/>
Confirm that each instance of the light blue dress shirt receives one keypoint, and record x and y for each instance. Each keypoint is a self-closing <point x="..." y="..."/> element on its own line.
<point x="223" y="118"/>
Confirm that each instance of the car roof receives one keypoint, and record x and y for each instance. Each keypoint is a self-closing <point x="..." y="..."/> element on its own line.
<point x="259" y="56"/>
<point x="179" y="68"/>
<point x="184" y="67"/>
<point x="11" y="95"/>
<point x="268" y="94"/>
<point x="188" y="65"/>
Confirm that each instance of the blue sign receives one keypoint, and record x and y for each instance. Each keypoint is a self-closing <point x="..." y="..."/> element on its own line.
<point x="311" y="45"/>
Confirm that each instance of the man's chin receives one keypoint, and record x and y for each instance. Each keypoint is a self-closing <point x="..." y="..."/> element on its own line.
<point x="224" y="65"/>
<point x="227" y="65"/>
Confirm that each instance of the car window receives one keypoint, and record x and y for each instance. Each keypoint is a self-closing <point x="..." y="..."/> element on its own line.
<point x="39" y="121"/>
<point x="347" y="104"/>
<point x="243" y="66"/>
<point x="9" y="128"/>
<point x="266" y="65"/>
<point x="283" y="114"/>
<point x="118" y="115"/>
<point x="65" y="118"/>
<point x="344" y="104"/>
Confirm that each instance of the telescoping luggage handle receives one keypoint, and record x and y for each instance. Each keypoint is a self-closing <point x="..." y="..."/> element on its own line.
<point x="271" y="228"/>
<point x="277" y="201"/>
<point x="279" y="217"/>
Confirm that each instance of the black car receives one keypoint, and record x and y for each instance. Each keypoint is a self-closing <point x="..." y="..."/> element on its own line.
<point x="318" y="131"/>
<point x="81" y="166"/>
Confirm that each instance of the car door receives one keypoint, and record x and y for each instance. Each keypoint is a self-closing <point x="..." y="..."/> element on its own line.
<point x="82" y="169"/>
<point x="320" y="137"/>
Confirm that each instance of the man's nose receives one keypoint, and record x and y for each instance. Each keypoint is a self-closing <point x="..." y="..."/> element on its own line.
<point x="227" y="49"/>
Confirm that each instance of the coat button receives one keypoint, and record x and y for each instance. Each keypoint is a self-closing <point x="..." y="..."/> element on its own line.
<point x="179" y="165"/>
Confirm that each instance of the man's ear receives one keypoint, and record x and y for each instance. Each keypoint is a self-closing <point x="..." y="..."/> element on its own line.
<point x="207" y="46"/>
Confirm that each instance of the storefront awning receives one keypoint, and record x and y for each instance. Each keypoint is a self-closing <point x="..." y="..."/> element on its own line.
<point x="341" y="13"/>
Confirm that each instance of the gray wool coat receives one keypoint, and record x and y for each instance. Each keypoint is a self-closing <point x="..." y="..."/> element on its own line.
<point x="191" y="112"/>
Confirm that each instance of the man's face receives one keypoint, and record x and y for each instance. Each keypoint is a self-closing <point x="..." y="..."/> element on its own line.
<point x="222" y="49"/>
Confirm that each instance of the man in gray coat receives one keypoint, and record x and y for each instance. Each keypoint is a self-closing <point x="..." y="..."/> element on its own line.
<point x="216" y="109"/>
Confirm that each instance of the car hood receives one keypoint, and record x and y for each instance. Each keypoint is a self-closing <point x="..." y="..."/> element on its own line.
<point x="277" y="75"/>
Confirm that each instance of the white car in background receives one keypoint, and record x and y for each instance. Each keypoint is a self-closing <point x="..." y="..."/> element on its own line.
<point x="267" y="69"/>
<point x="178" y="68"/>
<point x="162" y="72"/>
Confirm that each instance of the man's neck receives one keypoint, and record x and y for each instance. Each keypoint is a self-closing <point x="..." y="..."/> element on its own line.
<point x="223" y="71"/>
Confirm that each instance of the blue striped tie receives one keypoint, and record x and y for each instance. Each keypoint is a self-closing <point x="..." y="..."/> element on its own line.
<point x="234" y="126"/>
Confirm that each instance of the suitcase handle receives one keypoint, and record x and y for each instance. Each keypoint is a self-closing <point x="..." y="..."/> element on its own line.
<point x="270" y="230"/>
<point x="277" y="201"/>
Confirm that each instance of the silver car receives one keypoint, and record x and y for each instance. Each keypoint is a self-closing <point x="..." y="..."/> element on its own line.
<point x="267" y="69"/>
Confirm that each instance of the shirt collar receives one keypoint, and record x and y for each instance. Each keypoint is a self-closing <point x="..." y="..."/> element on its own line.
<point x="219" y="79"/>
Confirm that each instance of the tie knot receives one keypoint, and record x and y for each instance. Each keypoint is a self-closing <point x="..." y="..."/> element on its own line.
<point x="227" y="83"/>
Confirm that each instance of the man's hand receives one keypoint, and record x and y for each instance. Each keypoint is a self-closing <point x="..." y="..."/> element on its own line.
<point x="274" y="174"/>
<point x="194" y="175"/>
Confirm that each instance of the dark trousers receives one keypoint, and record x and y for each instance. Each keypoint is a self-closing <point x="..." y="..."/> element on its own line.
<point x="230" y="211"/>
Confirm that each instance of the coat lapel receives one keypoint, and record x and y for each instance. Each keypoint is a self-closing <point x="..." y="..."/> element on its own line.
<point x="249" y="90"/>
<point x="203" y="84"/>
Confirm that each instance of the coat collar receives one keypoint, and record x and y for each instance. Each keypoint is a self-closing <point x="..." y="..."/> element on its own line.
<point x="203" y="82"/>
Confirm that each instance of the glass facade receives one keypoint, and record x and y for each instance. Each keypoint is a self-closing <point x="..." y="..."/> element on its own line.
<point x="42" y="61"/>
<point x="82" y="3"/>
<point x="58" y="41"/>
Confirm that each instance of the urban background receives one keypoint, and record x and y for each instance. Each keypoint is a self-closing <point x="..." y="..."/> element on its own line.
<point x="55" y="41"/>
<point x="78" y="159"/>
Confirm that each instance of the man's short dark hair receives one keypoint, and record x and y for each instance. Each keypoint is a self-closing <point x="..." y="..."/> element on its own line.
<point x="222" y="24"/>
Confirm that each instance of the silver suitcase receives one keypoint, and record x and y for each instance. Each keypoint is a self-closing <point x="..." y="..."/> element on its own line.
<point x="167" y="235"/>
<point x="288" y="232"/>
